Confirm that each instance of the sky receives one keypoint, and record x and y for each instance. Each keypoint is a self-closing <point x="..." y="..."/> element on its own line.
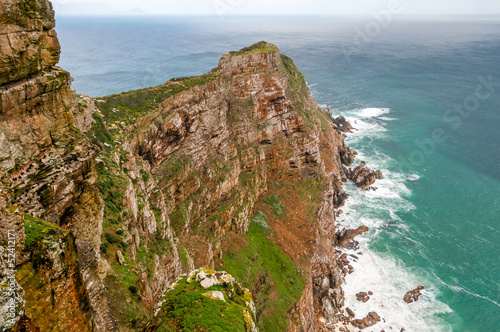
<point x="276" y="7"/>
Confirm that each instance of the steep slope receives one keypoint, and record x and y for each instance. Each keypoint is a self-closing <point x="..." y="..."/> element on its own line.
<point x="112" y="199"/>
<point x="48" y="172"/>
<point x="211" y="155"/>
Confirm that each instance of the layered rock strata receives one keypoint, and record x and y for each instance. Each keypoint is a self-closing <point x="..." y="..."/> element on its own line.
<point x="111" y="200"/>
<point x="49" y="173"/>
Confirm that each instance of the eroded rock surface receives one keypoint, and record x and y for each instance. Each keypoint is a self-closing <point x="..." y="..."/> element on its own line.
<point x="115" y="198"/>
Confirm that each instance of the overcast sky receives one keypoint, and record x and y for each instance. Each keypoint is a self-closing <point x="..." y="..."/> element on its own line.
<point x="276" y="7"/>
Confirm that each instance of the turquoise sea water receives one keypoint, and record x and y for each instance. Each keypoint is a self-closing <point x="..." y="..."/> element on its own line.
<point x="435" y="218"/>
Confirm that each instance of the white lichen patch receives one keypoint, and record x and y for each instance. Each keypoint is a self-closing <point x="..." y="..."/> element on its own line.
<point x="230" y="288"/>
<point x="214" y="295"/>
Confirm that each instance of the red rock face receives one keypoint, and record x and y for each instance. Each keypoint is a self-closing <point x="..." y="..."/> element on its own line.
<point x="246" y="119"/>
<point x="222" y="141"/>
<point x="28" y="41"/>
<point x="50" y="165"/>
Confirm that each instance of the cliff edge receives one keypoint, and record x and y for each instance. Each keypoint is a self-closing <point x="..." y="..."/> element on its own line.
<point x="112" y="199"/>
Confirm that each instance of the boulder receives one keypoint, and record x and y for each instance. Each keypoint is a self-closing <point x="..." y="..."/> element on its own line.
<point x="413" y="295"/>
<point x="362" y="296"/>
<point x="371" y="319"/>
<point x="363" y="176"/>
<point x="341" y="125"/>
<point x="120" y="258"/>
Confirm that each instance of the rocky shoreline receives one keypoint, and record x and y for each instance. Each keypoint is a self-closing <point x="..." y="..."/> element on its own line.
<point x="363" y="177"/>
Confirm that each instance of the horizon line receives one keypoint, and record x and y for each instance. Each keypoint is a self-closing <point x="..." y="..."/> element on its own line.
<point x="493" y="15"/>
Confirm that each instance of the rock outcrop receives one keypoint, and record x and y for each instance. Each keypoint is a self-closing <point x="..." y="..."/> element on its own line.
<point x="215" y="300"/>
<point x="341" y="124"/>
<point x="28" y="41"/>
<point x="371" y="319"/>
<point x="346" y="236"/>
<point x="413" y="295"/>
<point x="363" y="176"/>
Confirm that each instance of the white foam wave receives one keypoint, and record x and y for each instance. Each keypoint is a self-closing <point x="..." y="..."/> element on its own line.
<point x="385" y="118"/>
<point x="363" y="129"/>
<point x="389" y="280"/>
<point x="461" y="289"/>
<point x="413" y="177"/>
<point x="372" y="112"/>
<point x="381" y="273"/>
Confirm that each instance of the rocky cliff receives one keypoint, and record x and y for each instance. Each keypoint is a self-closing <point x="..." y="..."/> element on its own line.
<point x="48" y="172"/>
<point x="112" y="199"/>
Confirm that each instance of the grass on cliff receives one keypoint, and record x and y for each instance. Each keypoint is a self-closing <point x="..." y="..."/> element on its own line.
<point x="129" y="106"/>
<point x="36" y="229"/>
<point x="259" y="47"/>
<point x="186" y="309"/>
<point x="261" y="256"/>
<point x="298" y="90"/>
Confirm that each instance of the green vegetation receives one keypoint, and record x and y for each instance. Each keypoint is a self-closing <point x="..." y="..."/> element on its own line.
<point x="112" y="184"/>
<point x="186" y="309"/>
<point x="178" y="218"/>
<point x="157" y="212"/>
<point x="145" y="175"/>
<point x="29" y="7"/>
<point x="172" y="168"/>
<point x="124" y="274"/>
<point x="311" y="189"/>
<point x="298" y="89"/>
<point x="129" y="106"/>
<point x="36" y="229"/>
<point x="274" y="202"/>
<point x="183" y="255"/>
<point x="121" y="285"/>
<point x="262" y="256"/>
<point x="259" y="47"/>
<point x="100" y="131"/>
<point x="296" y="79"/>
<point x="322" y="118"/>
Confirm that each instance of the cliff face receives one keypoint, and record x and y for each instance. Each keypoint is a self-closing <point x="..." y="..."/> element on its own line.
<point x="49" y="170"/>
<point x="112" y="199"/>
<point x="28" y="41"/>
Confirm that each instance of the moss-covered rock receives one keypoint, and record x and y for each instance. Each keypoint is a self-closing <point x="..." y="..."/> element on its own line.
<point x="206" y="300"/>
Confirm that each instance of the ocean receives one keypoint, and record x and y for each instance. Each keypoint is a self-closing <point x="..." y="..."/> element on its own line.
<point x="424" y="96"/>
